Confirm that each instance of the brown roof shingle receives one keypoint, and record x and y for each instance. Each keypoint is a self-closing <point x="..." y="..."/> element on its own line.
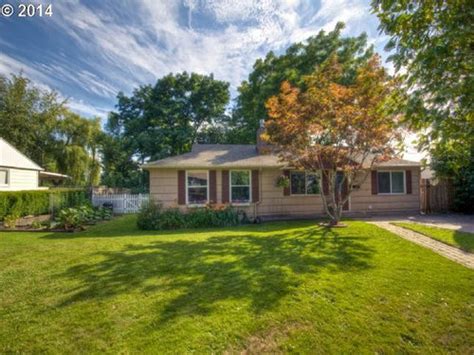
<point x="237" y="156"/>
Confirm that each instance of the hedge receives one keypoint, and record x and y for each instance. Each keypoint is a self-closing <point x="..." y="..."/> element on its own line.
<point x="37" y="202"/>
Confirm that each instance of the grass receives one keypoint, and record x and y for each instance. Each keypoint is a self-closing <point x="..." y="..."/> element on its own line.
<point x="276" y="287"/>
<point x="459" y="239"/>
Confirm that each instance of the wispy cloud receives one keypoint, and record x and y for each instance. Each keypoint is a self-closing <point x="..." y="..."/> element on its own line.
<point x="121" y="45"/>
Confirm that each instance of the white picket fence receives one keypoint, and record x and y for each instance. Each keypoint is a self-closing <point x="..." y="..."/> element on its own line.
<point x="123" y="203"/>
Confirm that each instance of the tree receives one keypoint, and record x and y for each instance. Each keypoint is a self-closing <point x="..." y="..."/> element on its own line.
<point x="77" y="148"/>
<point x="338" y="129"/>
<point x="433" y="42"/>
<point x="162" y="120"/>
<point x="300" y="59"/>
<point x="28" y="118"/>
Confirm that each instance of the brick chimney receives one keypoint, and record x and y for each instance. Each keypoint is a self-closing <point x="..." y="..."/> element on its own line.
<point x="262" y="146"/>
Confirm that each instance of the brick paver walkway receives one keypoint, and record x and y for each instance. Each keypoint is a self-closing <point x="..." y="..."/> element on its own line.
<point x="455" y="254"/>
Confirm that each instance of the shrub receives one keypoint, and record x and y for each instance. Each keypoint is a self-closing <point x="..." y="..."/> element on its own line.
<point x="71" y="218"/>
<point x="10" y="221"/>
<point x="37" y="225"/>
<point x="153" y="217"/>
<point x="24" y="203"/>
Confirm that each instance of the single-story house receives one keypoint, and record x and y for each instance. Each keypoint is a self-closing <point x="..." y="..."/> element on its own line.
<point x="18" y="172"/>
<point x="246" y="176"/>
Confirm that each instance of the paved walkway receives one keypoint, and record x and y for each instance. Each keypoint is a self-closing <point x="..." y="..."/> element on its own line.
<point x="455" y="254"/>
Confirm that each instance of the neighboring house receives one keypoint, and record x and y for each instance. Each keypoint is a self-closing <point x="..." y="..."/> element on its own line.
<point x="243" y="176"/>
<point x="18" y="172"/>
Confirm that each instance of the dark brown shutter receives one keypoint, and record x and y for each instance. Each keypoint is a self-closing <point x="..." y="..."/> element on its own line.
<point x="181" y="187"/>
<point x="286" y="190"/>
<point x="212" y="186"/>
<point x="325" y="183"/>
<point x="255" y="186"/>
<point x="374" y="182"/>
<point x="344" y="192"/>
<point x="225" y="186"/>
<point x="408" y="181"/>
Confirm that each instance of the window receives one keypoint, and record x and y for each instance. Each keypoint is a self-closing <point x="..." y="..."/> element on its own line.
<point x="240" y="186"/>
<point x="197" y="183"/>
<point x="391" y="182"/>
<point x="3" y="177"/>
<point x="304" y="183"/>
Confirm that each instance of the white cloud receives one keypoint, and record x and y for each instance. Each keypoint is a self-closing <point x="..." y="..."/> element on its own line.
<point x="133" y="43"/>
<point x="83" y="108"/>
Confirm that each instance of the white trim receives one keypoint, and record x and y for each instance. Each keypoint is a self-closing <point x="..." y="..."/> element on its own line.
<point x="390" y="175"/>
<point x="249" y="185"/>
<point x="207" y="188"/>
<point x="8" y="177"/>
<point x="318" y="174"/>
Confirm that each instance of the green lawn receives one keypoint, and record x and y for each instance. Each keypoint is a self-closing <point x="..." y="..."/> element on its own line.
<point x="459" y="239"/>
<point x="276" y="287"/>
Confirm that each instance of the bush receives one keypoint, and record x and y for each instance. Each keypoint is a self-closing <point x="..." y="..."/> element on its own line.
<point x="10" y="221"/>
<point x="153" y="217"/>
<point x="71" y="218"/>
<point x="25" y="203"/>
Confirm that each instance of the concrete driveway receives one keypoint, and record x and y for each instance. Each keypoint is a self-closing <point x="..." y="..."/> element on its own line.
<point x="450" y="221"/>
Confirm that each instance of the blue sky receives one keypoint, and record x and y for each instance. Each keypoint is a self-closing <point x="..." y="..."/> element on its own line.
<point x="90" y="50"/>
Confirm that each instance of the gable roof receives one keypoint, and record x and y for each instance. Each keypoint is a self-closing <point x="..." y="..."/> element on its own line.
<point x="12" y="158"/>
<point x="236" y="156"/>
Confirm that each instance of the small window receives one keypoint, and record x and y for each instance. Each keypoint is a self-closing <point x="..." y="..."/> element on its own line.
<point x="3" y="177"/>
<point x="391" y="182"/>
<point x="197" y="187"/>
<point x="240" y="186"/>
<point x="304" y="183"/>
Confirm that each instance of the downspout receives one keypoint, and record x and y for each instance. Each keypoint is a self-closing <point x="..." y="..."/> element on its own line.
<point x="255" y="205"/>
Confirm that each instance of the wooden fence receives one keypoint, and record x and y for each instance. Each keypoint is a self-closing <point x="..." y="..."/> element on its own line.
<point x="436" y="196"/>
<point x="122" y="203"/>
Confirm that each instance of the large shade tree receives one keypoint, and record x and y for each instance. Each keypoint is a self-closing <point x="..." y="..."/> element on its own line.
<point x="299" y="60"/>
<point x="39" y="124"/>
<point x="162" y="120"/>
<point x="432" y="41"/>
<point x="334" y="128"/>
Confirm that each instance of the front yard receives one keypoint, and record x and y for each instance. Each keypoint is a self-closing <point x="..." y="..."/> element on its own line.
<point x="290" y="287"/>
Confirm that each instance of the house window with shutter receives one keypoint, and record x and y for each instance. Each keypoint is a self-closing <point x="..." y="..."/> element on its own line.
<point x="304" y="183"/>
<point x="4" y="180"/>
<point x="240" y="187"/>
<point x="391" y="182"/>
<point x="197" y="187"/>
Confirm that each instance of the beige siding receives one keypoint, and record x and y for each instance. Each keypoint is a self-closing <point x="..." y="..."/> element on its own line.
<point x="20" y="179"/>
<point x="362" y="200"/>
<point x="164" y="188"/>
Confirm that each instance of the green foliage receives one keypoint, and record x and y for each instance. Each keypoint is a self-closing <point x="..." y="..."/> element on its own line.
<point x="433" y="42"/>
<point x="153" y="217"/>
<point x="39" y="125"/>
<point x="28" y="117"/>
<point x="37" y="225"/>
<point x="11" y="220"/>
<point x="456" y="163"/>
<point x="70" y="218"/>
<point x="299" y="60"/>
<point x="159" y="121"/>
<point x="24" y="203"/>
<point x="76" y="217"/>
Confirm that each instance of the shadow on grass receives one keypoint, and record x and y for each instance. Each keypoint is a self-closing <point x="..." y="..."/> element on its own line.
<point x="125" y="226"/>
<point x="464" y="240"/>
<point x="188" y="277"/>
